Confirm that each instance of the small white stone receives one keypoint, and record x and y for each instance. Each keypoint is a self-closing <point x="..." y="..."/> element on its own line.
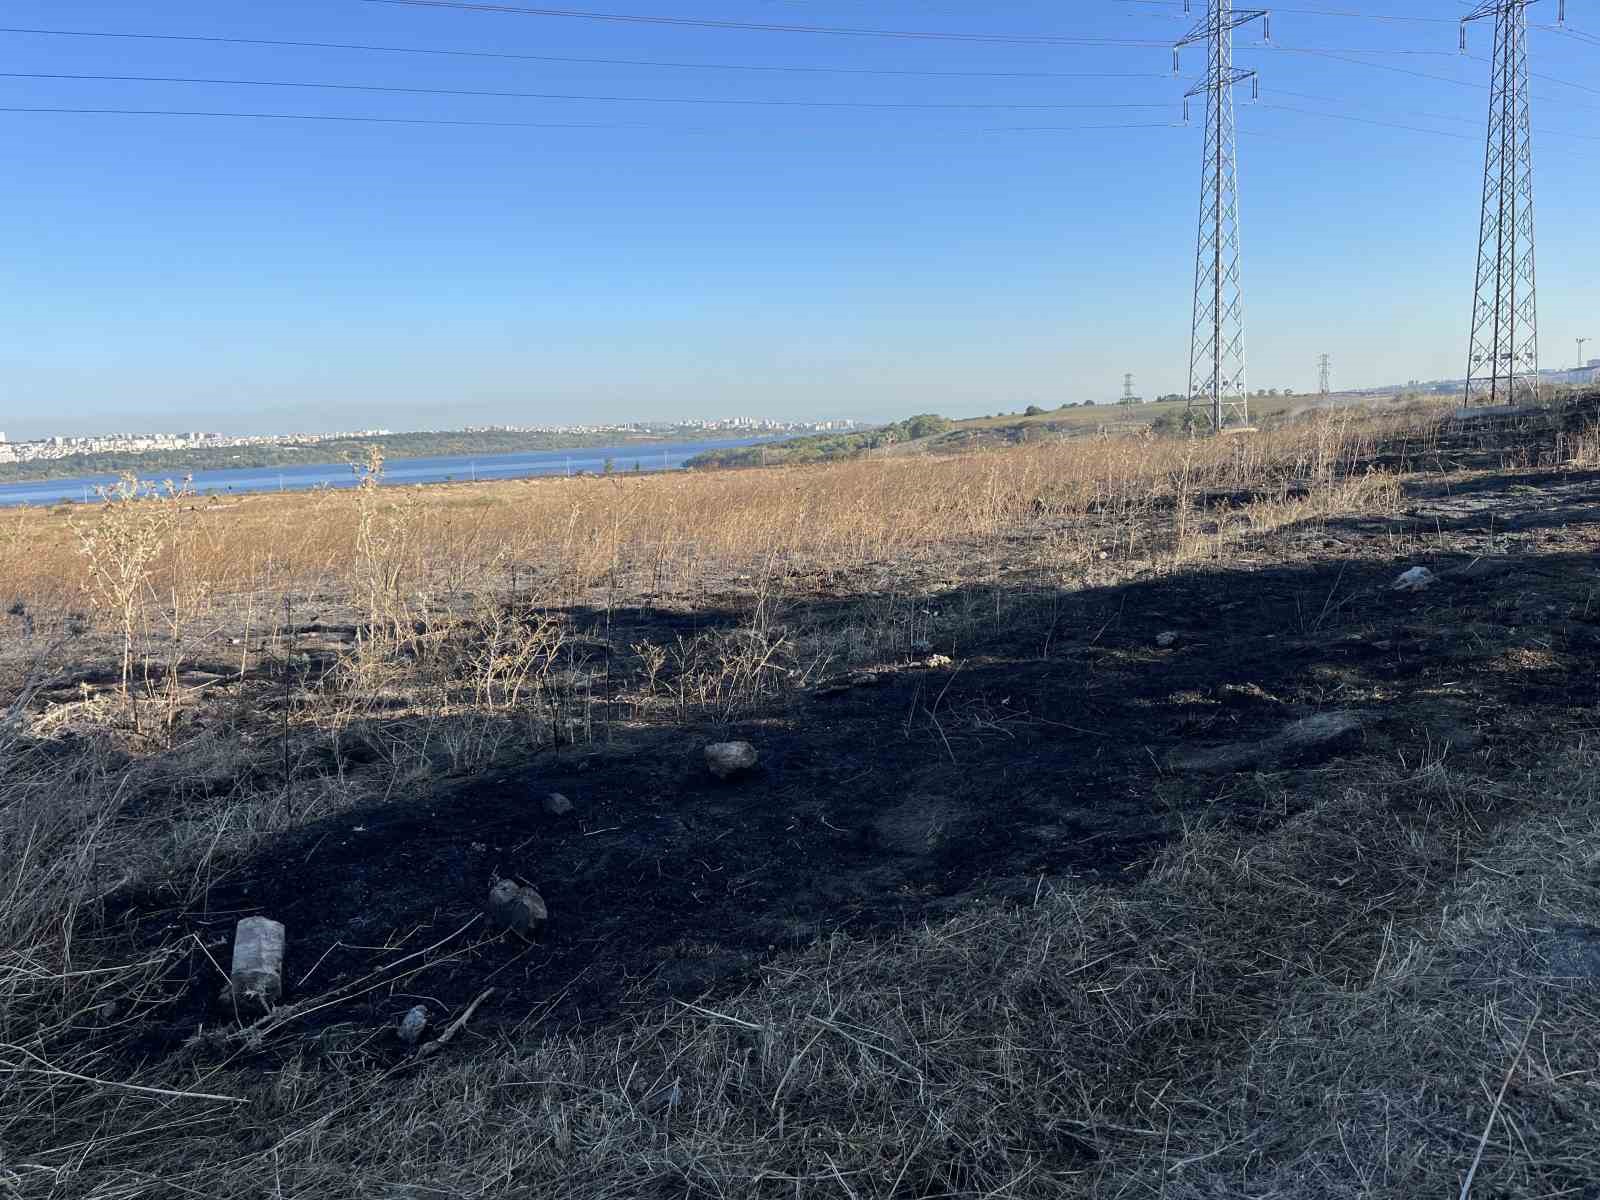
<point x="413" y="1025"/>
<point x="727" y="759"/>
<point x="557" y="805"/>
<point x="1414" y="580"/>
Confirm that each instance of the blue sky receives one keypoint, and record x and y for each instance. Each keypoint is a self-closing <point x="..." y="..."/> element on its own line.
<point x="647" y="257"/>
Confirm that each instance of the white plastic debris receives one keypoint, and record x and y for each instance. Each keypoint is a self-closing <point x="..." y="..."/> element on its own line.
<point x="258" y="960"/>
<point x="1415" y="580"/>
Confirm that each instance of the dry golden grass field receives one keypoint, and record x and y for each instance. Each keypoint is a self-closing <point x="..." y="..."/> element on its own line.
<point x="1119" y="829"/>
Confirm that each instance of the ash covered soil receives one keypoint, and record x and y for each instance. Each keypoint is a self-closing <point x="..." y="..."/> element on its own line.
<point x="1073" y="746"/>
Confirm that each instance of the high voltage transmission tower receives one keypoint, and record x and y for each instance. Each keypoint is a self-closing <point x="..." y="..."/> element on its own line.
<point x="1127" y="389"/>
<point x="1323" y="375"/>
<point x="1216" y="340"/>
<point x="1503" y="354"/>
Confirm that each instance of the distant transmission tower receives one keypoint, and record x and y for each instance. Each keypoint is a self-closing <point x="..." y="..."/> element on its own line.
<point x="1127" y="388"/>
<point x="1216" y="340"/>
<point x="1324" y="367"/>
<point x="1503" y="355"/>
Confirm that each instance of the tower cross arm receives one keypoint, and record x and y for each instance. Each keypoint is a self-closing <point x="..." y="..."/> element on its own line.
<point x="1492" y="8"/>
<point x="1231" y="76"/>
<point x="1206" y="28"/>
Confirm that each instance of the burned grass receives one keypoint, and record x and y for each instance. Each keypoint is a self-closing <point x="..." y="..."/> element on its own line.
<point x="972" y="929"/>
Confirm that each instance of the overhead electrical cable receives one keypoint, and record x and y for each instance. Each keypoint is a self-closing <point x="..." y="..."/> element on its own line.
<point x="366" y="48"/>
<point x="764" y="27"/>
<point x="362" y="120"/>
<point x="563" y="96"/>
<point x="1319" y="12"/>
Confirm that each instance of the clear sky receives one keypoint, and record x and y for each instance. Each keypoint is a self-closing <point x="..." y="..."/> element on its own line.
<point x="643" y="253"/>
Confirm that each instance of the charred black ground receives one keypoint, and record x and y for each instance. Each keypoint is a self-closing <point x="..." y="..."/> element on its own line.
<point x="1046" y="750"/>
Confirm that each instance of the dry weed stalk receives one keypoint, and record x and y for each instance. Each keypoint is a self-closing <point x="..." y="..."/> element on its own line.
<point x="132" y="525"/>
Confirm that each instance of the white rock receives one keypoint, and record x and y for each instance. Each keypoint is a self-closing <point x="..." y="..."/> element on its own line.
<point x="938" y="660"/>
<point x="1167" y="640"/>
<point x="1414" y="580"/>
<point x="727" y="759"/>
<point x="413" y="1025"/>
<point x="557" y="805"/>
<point x="258" y="961"/>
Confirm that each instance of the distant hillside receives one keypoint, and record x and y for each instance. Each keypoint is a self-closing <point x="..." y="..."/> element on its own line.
<point x="394" y="446"/>
<point x="825" y="447"/>
<point x="930" y="432"/>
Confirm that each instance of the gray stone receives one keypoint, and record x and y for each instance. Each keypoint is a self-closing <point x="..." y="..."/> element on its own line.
<point x="557" y="805"/>
<point x="413" y="1025"/>
<point x="516" y="907"/>
<point x="1167" y="640"/>
<point x="1311" y="738"/>
<point x="1414" y="580"/>
<point x="257" y="973"/>
<point x="727" y="759"/>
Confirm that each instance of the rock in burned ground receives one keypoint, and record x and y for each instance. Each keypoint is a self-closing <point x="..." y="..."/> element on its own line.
<point x="727" y="759"/>
<point x="557" y="805"/>
<point x="1166" y="640"/>
<point x="257" y="973"/>
<point x="413" y="1025"/>
<point x="516" y="907"/>
<point x="1414" y="580"/>
<point x="1313" y="737"/>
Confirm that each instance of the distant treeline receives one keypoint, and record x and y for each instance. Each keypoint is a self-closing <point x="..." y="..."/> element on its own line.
<point x="176" y="463"/>
<point x="824" y="447"/>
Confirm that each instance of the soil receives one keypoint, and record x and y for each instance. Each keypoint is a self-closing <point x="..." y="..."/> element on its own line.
<point x="1044" y="752"/>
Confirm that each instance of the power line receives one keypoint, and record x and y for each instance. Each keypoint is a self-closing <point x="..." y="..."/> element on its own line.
<point x="763" y="27"/>
<point x="263" y="116"/>
<point x="1314" y="12"/>
<point x="362" y="120"/>
<point x="421" y="91"/>
<point x="367" y="48"/>
<point x="1309" y="112"/>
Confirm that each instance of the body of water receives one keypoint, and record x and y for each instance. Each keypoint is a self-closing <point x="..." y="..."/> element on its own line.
<point x="626" y="458"/>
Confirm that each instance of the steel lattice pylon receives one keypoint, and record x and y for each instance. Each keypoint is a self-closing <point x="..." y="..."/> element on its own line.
<point x="1217" y="392"/>
<point x="1503" y="358"/>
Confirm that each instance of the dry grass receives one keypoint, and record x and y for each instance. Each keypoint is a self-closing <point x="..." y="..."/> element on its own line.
<point x="1328" y="1010"/>
<point x="599" y="539"/>
<point x="1322" y="1012"/>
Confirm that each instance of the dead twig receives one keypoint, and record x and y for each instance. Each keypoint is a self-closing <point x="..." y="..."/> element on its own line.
<point x="1494" y="1112"/>
<point x="455" y="1026"/>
